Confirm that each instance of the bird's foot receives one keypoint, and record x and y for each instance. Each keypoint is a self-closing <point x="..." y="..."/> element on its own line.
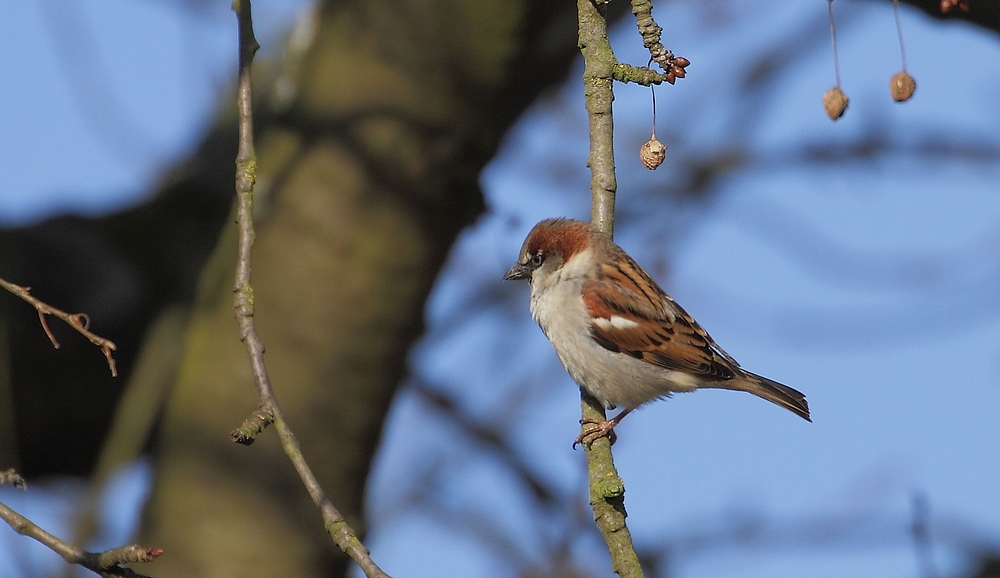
<point x="602" y="427"/>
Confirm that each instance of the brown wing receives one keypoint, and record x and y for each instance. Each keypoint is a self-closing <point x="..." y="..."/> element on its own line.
<point x="640" y="320"/>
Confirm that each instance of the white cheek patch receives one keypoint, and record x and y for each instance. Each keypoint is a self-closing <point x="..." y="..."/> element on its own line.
<point x="615" y="322"/>
<point x="579" y="265"/>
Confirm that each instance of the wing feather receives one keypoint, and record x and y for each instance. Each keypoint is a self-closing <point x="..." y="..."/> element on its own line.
<point x="633" y="316"/>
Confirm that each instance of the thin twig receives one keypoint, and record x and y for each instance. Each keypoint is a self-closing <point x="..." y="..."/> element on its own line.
<point x="269" y="411"/>
<point x="78" y="321"/>
<point x="607" y="491"/>
<point x="673" y="66"/>
<point x="107" y="563"/>
<point x="643" y="75"/>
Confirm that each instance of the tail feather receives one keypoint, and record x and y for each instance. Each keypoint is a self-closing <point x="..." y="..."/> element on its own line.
<point x="772" y="391"/>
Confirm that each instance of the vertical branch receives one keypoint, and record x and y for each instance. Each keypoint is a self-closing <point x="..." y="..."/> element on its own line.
<point x="607" y="492"/>
<point x="599" y="62"/>
<point x="269" y="411"/>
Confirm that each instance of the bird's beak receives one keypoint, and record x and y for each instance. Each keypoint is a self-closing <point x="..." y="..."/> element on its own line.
<point x="518" y="271"/>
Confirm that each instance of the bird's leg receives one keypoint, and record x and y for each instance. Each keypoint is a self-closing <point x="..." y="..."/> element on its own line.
<point x="602" y="427"/>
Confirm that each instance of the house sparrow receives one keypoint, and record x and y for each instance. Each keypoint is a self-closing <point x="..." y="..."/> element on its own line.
<point x="620" y="337"/>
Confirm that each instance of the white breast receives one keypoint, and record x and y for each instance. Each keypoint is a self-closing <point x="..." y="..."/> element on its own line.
<point x="615" y="379"/>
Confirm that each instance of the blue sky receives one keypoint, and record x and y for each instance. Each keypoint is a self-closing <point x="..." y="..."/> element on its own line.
<point x="869" y="285"/>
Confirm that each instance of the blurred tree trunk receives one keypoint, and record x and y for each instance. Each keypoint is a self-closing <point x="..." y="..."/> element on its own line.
<point x="367" y="174"/>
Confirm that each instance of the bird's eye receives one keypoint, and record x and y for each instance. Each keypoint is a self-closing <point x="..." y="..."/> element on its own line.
<point x="536" y="259"/>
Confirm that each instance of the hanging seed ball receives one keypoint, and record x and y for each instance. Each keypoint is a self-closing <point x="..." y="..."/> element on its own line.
<point x="902" y="86"/>
<point x="835" y="102"/>
<point x="652" y="153"/>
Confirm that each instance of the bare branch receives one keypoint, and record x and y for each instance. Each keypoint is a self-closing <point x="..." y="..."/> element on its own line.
<point x="269" y="411"/>
<point x="639" y="74"/>
<point x="107" y="563"/>
<point x="673" y="66"/>
<point x="78" y="321"/>
<point x="599" y="62"/>
<point x="607" y="491"/>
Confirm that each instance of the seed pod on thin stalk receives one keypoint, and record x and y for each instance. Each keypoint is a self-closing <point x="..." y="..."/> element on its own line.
<point x="834" y="100"/>
<point x="653" y="151"/>
<point x="902" y="85"/>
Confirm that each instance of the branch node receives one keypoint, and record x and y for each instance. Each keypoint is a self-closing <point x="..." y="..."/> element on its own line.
<point x="13" y="478"/>
<point x="110" y="559"/>
<point x="45" y="328"/>
<point x="253" y="425"/>
<point x="611" y="487"/>
<point x="344" y="536"/>
<point x="78" y="321"/>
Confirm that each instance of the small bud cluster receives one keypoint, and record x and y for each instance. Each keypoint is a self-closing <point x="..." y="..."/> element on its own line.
<point x="676" y="68"/>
